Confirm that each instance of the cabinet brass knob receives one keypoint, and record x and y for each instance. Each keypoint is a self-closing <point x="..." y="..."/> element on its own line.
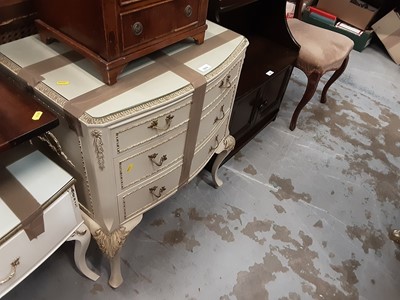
<point x="137" y="28"/>
<point x="14" y="265"/>
<point x="188" y="11"/>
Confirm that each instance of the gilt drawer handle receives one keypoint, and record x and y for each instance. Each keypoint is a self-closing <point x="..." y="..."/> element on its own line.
<point x="188" y="11"/>
<point x="162" y="159"/>
<point x="168" y="121"/>
<point x="160" y="191"/>
<point x="14" y="265"/>
<point x="220" y="118"/>
<point x="226" y="83"/>
<point x="216" y="145"/>
<point x="137" y="28"/>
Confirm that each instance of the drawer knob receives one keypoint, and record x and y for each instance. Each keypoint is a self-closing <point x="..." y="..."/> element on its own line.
<point x="217" y="118"/>
<point x="162" y="159"/>
<point x="160" y="191"/>
<point x="264" y="104"/>
<point x="168" y="121"/>
<point x="14" y="265"/>
<point x="216" y="145"/>
<point x="137" y="28"/>
<point x="226" y="83"/>
<point x="188" y="11"/>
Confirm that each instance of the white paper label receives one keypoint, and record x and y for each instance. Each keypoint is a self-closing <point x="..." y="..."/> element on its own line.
<point x="204" y="68"/>
<point x="269" y="73"/>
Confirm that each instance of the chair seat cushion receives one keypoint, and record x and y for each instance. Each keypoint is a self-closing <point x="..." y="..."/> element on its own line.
<point x="321" y="50"/>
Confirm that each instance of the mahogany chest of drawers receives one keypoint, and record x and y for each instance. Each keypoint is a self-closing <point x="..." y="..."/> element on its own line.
<point x="112" y="33"/>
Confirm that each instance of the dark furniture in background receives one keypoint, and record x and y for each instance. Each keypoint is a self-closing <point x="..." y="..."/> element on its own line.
<point x="272" y="49"/>
<point x="16" y="19"/>
<point x="111" y="33"/>
<point x="22" y="118"/>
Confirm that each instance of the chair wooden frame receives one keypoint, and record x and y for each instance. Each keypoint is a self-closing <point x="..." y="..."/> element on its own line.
<point x="314" y="78"/>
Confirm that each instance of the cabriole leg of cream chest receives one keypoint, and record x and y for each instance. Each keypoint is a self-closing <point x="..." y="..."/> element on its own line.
<point x="223" y="149"/>
<point x="111" y="243"/>
<point x="81" y="236"/>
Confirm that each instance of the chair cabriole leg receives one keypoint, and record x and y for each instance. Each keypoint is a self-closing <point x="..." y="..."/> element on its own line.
<point x="312" y="84"/>
<point x="335" y="76"/>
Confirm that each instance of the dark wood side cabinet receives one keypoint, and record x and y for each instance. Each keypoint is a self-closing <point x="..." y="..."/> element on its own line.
<point x="112" y="33"/>
<point x="16" y="19"/>
<point x="267" y="67"/>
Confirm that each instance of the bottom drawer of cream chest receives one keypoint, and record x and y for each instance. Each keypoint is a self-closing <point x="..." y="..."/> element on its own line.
<point x="145" y="197"/>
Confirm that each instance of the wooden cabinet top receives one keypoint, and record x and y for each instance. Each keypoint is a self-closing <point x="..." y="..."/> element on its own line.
<point x="22" y="118"/>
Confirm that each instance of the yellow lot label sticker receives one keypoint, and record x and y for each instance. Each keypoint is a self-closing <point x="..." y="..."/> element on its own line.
<point x="63" y="82"/>
<point x="36" y="116"/>
<point x="130" y="168"/>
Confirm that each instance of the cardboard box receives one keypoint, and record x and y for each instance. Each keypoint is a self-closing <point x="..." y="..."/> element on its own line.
<point x="349" y="12"/>
<point x="360" y="41"/>
<point x="290" y="7"/>
<point x="388" y="31"/>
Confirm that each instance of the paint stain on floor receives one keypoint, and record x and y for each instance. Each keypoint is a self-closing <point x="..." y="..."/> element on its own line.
<point x="286" y="190"/>
<point x="250" y="170"/>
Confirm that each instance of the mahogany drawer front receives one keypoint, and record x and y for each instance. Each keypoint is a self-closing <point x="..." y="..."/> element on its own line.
<point x="216" y="114"/>
<point x="223" y="82"/>
<point x="204" y="152"/>
<point x="144" y="23"/>
<point x="150" y="127"/>
<point x="234" y="3"/>
<point x="141" y="166"/>
<point x="143" y="198"/>
<point x="60" y="220"/>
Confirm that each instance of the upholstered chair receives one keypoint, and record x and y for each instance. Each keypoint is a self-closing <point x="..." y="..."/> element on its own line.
<point x="321" y="51"/>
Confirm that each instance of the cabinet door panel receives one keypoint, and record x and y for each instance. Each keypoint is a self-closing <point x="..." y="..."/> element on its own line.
<point x="242" y="114"/>
<point x="271" y="95"/>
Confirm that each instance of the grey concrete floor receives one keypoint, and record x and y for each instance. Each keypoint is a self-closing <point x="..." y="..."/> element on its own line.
<point x="301" y="215"/>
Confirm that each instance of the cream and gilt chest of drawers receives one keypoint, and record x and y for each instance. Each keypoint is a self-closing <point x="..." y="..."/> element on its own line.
<point x="39" y="210"/>
<point x="134" y="144"/>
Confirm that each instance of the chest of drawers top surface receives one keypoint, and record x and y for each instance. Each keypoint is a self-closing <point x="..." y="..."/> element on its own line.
<point x="71" y="82"/>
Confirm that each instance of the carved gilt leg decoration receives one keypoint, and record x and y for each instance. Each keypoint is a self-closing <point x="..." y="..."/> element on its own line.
<point x="55" y="146"/>
<point x="111" y="243"/>
<point x="98" y="147"/>
<point x="222" y="150"/>
<point x="395" y="236"/>
<point x="81" y="236"/>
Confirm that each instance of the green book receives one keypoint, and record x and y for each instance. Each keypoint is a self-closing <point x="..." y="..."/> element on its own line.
<point x="322" y="19"/>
